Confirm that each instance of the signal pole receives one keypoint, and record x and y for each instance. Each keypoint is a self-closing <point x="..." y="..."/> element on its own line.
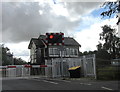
<point x="61" y="63"/>
<point x="57" y="39"/>
<point x="61" y="49"/>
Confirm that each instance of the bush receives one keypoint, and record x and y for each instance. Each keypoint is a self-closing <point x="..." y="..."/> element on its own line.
<point x="108" y="73"/>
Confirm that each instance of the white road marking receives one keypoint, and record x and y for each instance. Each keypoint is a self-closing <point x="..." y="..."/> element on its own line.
<point x="106" y="88"/>
<point x="50" y="82"/>
<point x="61" y="80"/>
<point x="86" y="83"/>
<point x="34" y="79"/>
<point x="64" y="80"/>
<point x="45" y="81"/>
<point x="81" y="83"/>
<point x="89" y="84"/>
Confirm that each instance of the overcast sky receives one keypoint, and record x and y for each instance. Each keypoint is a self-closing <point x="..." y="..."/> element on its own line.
<point x="22" y="21"/>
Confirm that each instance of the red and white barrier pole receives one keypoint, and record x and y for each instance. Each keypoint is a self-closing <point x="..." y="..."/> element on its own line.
<point x="26" y="66"/>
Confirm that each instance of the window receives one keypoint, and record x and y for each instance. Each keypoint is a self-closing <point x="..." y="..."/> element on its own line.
<point x="53" y="52"/>
<point x="73" y="51"/>
<point x="50" y="51"/>
<point x="67" y="51"/>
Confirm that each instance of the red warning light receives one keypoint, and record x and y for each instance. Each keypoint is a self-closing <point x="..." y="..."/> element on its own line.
<point x="55" y="38"/>
<point x="51" y="36"/>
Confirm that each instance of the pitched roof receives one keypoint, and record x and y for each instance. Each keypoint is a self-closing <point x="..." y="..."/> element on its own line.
<point x="42" y="37"/>
<point x="71" y="41"/>
<point x="67" y="41"/>
<point x="40" y="41"/>
<point x="37" y="42"/>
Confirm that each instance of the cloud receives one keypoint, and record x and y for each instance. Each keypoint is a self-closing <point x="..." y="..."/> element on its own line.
<point x="19" y="49"/>
<point x="77" y="9"/>
<point x="89" y="37"/>
<point x="22" y="21"/>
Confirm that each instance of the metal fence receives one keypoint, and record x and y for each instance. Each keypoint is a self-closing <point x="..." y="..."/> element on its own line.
<point x="54" y="67"/>
<point x="61" y="67"/>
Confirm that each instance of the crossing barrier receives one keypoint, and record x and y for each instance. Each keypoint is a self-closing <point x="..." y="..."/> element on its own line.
<point x="21" y="70"/>
<point x="27" y="66"/>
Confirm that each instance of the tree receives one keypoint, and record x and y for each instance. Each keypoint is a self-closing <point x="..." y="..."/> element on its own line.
<point x="99" y="46"/>
<point x="19" y="61"/>
<point x="112" y="42"/>
<point x="6" y="56"/>
<point x="111" y="8"/>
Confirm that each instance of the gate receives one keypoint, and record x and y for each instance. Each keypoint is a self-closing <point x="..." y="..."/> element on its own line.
<point x="89" y="65"/>
<point x="60" y="69"/>
<point x="61" y="66"/>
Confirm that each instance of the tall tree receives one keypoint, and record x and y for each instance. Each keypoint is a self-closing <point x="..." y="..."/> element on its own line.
<point x="6" y="56"/>
<point x="99" y="46"/>
<point x="112" y="42"/>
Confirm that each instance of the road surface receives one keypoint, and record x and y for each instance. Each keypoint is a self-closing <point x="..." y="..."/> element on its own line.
<point x="57" y="84"/>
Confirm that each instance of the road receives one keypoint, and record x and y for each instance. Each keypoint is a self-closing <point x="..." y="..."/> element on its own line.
<point x="57" y="84"/>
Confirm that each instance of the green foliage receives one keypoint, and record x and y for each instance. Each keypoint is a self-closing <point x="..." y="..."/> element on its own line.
<point x="108" y="50"/>
<point x="112" y="42"/>
<point x="102" y="58"/>
<point x="87" y="53"/>
<point x="6" y="57"/>
<point x="19" y="61"/>
<point x="103" y="54"/>
<point x="111" y="48"/>
<point x="108" y="73"/>
<point x="111" y="8"/>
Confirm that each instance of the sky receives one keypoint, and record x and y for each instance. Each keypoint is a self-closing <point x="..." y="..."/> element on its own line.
<point x="22" y="21"/>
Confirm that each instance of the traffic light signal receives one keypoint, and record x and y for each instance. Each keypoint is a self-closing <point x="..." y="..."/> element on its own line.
<point x="54" y="38"/>
<point x="51" y="37"/>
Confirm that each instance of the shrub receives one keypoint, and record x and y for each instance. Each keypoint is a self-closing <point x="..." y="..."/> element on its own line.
<point x="108" y="73"/>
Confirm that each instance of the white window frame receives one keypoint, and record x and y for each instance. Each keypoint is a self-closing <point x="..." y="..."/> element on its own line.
<point x="72" y="52"/>
<point x="54" y="52"/>
<point x="67" y="52"/>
